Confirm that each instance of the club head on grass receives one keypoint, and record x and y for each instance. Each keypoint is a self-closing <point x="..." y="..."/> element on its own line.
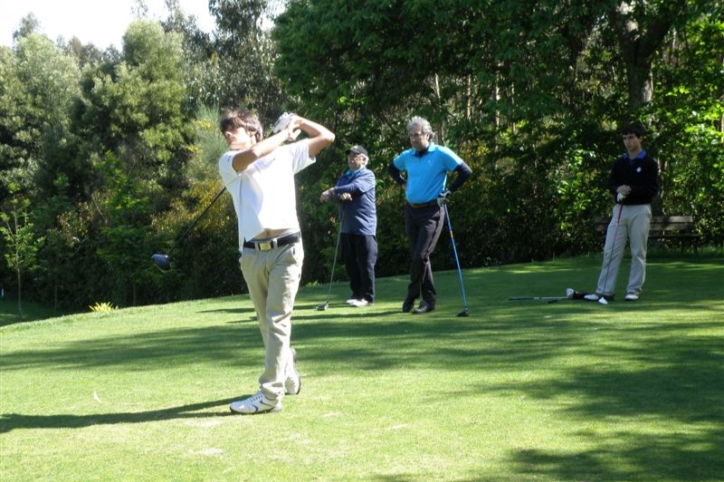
<point x="323" y="307"/>
<point x="161" y="261"/>
<point x="464" y="312"/>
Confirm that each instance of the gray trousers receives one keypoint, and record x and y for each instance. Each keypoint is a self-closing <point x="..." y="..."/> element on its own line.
<point x="273" y="280"/>
<point x="632" y="225"/>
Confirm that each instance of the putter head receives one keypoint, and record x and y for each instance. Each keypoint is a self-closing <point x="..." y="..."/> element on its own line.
<point x="161" y="261"/>
<point x="464" y="312"/>
<point x="322" y="307"/>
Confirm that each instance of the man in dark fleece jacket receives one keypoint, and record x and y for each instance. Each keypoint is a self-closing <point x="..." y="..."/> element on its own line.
<point x="355" y="192"/>
<point x="633" y="185"/>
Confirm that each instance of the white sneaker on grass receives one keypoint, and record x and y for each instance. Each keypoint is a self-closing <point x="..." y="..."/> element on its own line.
<point x="631" y="297"/>
<point x="360" y="303"/>
<point x="257" y="403"/>
<point x="293" y="384"/>
<point x="597" y="297"/>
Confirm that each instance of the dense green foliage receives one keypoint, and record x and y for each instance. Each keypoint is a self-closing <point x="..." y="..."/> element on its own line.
<point x="114" y="153"/>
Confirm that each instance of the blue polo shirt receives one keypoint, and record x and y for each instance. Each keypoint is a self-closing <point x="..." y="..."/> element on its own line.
<point x="426" y="171"/>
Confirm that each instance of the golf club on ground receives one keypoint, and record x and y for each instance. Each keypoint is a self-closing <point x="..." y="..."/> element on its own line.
<point x="602" y="300"/>
<point x="464" y="311"/>
<point x="570" y="294"/>
<point x="325" y="305"/>
<point x="162" y="261"/>
<point x="549" y="299"/>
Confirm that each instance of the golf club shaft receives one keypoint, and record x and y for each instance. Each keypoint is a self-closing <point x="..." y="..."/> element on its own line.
<point x="613" y="245"/>
<point x="334" y="261"/>
<point x="534" y="298"/>
<point x="200" y="216"/>
<point x="457" y="261"/>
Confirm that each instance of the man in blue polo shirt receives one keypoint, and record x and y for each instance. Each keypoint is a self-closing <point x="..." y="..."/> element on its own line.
<point x="426" y="166"/>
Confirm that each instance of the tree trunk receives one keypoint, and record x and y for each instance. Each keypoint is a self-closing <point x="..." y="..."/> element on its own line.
<point x="639" y="42"/>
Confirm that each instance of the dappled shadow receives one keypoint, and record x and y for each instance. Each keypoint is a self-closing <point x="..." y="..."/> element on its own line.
<point x="626" y="456"/>
<point x="13" y="421"/>
<point x="671" y="370"/>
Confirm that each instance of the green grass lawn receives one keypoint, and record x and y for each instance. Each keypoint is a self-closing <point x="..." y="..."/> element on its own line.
<point x="517" y="391"/>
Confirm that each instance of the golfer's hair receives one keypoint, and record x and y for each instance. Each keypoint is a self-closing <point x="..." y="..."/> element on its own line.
<point x="235" y="118"/>
<point x="635" y="129"/>
<point x="420" y="122"/>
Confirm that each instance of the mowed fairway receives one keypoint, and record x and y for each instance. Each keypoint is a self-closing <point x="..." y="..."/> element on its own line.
<point x="517" y="391"/>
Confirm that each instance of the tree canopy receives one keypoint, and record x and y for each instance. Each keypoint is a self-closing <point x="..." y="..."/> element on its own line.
<point x="113" y="154"/>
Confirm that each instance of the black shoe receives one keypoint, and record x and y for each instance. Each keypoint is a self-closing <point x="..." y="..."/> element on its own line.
<point x="407" y="305"/>
<point x="423" y="308"/>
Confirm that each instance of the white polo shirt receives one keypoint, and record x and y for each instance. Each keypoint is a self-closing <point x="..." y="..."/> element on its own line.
<point x="264" y="193"/>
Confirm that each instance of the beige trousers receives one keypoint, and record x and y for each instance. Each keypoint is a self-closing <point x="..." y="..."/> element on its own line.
<point x="273" y="280"/>
<point x="630" y="223"/>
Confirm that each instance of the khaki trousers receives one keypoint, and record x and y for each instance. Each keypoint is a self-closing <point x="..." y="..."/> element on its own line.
<point x="273" y="280"/>
<point x="633" y="225"/>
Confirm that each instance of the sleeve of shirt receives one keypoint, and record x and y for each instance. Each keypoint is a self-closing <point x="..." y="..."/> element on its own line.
<point x="452" y="160"/>
<point x="362" y="183"/>
<point x="399" y="162"/>
<point x="226" y="168"/>
<point x="299" y="153"/>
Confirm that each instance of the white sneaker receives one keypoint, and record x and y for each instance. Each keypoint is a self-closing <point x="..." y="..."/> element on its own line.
<point x="293" y="384"/>
<point x="631" y="297"/>
<point x="351" y="301"/>
<point x="257" y="403"/>
<point x="360" y="303"/>
<point x="591" y="297"/>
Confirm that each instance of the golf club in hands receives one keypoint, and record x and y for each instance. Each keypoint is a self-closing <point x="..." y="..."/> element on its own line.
<point x="162" y="261"/>
<point x="464" y="311"/>
<point x="325" y="305"/>
<point x="283" y="122"/>
<point x="602" y="300"/>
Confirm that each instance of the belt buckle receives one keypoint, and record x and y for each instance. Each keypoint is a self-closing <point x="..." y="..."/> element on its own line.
<point x="266" y="245"/>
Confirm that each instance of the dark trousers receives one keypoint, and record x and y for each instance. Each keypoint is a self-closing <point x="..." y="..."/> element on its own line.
<point x="423" y="227"/>
<point x="359" y="252"/>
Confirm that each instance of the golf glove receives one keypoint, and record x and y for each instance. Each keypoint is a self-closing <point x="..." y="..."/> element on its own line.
<point x="443" y="197"/>
<point x="282" y="122"/>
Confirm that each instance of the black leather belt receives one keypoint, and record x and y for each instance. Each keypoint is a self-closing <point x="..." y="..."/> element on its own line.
<point x="270" y="244"/>
<point x="423" y="205"/>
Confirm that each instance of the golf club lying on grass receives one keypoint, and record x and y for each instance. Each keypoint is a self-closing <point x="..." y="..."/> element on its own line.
<point x="325" y="305"/>
<point x="162" y="261"/>
<point x="464" y="311"/>
<point x="549" y="299"/>
<point x="571" y="294"/>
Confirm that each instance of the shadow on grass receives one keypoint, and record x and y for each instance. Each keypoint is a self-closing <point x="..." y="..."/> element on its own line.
<point x="14" y="421"/>
<point x="627" y="456"/>
<point x="666" y="372"/>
